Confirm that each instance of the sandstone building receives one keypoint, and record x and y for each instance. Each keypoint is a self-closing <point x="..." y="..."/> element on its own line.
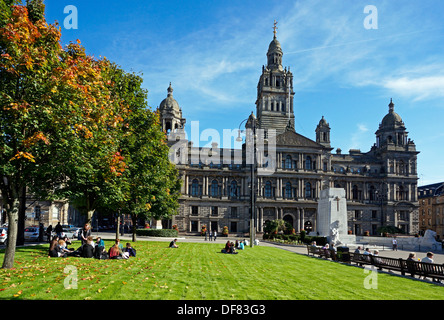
<point x="431" y="208"/>
<point x="381" y="184"/>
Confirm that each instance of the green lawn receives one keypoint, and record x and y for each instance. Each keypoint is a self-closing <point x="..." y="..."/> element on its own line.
<point x="198" y="271"/>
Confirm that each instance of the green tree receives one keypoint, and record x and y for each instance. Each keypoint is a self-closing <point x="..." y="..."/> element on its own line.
<point x="149" y="186"/>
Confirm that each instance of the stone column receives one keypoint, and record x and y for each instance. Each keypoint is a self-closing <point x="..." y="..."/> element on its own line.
<point x="297" y="222"/>
<point x="302" y="218"/>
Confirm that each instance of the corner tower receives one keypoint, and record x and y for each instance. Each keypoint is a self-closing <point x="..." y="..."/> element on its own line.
<point x="170" y="113"/>
<point x="274" y="103"/>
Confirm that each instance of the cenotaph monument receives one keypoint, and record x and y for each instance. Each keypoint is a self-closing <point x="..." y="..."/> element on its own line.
<point x="332" y="216"/>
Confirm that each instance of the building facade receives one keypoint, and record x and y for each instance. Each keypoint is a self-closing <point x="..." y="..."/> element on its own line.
<point x="380" y="185"/>
<point x="431" y="208"/>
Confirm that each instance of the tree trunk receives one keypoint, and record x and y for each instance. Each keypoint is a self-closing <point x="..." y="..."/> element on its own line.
<point x="12" y="212"/>
<point x="118" y="226"/>
<point x="134" y="219"/>
<point x="89" y="216"/>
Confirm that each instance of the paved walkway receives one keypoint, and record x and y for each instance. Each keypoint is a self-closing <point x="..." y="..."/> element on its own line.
<point x="438" y="257"/>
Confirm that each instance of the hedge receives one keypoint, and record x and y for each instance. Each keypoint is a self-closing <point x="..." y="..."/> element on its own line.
<point x="307" y="239"/>
<point x="170" y="233"/>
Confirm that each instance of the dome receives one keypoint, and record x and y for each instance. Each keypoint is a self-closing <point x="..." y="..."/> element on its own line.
<point x="323" y="122"/>
<point x="169" y="102"/>
<point x="392" y="119"/>
<point x="274" y="45"/>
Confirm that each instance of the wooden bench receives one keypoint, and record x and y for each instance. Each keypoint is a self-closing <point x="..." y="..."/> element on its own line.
<point x="322" y="253"/>
<point x="414" y="268"/>
<point x="423" y="269"/>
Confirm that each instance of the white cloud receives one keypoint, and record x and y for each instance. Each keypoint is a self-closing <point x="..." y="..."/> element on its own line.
<point x="419" y="88"/>
<point x="359" y="137"/>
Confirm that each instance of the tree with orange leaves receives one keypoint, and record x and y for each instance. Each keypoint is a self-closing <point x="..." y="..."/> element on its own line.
<point x="58" y="122"/>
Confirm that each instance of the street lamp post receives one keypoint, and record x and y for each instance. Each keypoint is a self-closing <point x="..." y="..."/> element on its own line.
<point x="252" y="184"/>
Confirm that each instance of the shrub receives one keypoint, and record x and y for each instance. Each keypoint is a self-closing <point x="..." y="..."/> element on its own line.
<point x="303" y="235"/>
<point x="172" y="233"/>
<point x="320" y="241"/>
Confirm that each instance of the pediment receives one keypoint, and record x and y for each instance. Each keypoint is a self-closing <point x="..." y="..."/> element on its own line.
<point x="292" y="138"/>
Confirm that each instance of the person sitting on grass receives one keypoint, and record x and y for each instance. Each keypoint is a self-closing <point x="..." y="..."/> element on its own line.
<point x="119" y="244"/>
<point x="100" y="242"/>
<point x="227" y="247"/>
<point x="87" y="249"/>
<point x="54" y="249"/>
<point x="232" y="248"/>
<point x="173" y="244"/>
<point x="115" y="252"/>
<point x="63" y="249"/>
<point x="131" y="251"/>
<point x="68" y="241"/>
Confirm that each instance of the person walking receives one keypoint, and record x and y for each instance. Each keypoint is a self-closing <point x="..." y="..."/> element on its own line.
<point x="41" y="231"/>
<point x="48" y="232"/>
<point x="395" y="244"/>
<point x="211" y="235"/>
<point x="58" y="229"/>
<point x="215" y="235"/>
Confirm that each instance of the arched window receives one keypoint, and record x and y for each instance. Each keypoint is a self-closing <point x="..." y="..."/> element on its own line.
<point x="233" y="189"/>
<point x="168" y="126"/>
<point x="307" y="163"/>
<point x="214" y="188"/>
<point x="288" y="191"/>
<point x="268" y="190"/>
<point x="195" y="188"/>
<point x="308" y="193"/>
<point x="288" y="162"/>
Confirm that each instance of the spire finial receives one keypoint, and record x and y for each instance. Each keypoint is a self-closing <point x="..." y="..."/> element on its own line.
<point x="391" y="105"/>
<point x="275" y="28"/>
<point x="170" y="90"/>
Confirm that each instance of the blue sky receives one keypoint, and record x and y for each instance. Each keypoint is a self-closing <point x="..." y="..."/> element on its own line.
<point x="213" y="52"/>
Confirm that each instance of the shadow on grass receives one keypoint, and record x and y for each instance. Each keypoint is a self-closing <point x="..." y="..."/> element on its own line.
<point x="40" y="249"/>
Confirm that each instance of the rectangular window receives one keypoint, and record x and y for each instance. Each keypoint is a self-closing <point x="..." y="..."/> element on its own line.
<point x="214" y="211"/>
<point x="233" y="226"/>
<point x="55" y="213"/>
<point x="194" y="226"/>
<point x="194" y="210"/>
<point x="233" y="212"/>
